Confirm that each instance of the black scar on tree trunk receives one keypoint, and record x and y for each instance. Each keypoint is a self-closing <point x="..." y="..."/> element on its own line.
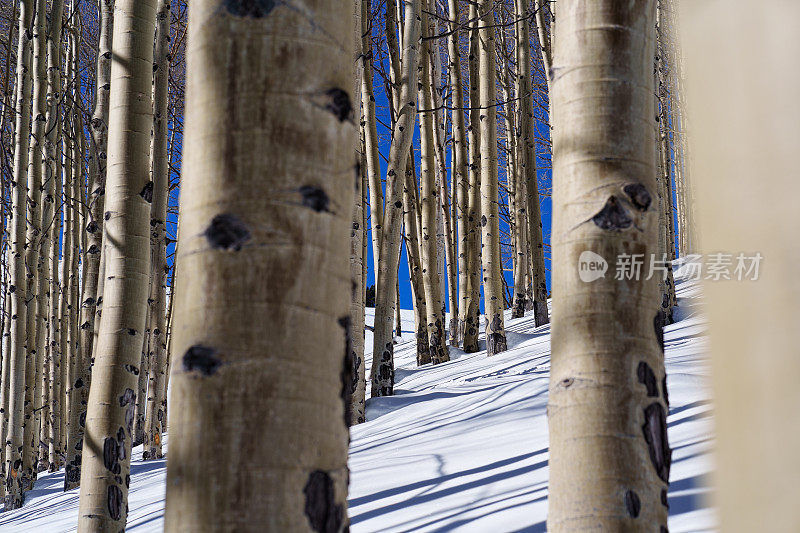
<point x="348" y="374"/>
<point x="632" y="503"/>
<point x="647" y="378"/>
<point x="655" y="434"/>
<point x="613" y="216"/>
<point x="321" y="509"/>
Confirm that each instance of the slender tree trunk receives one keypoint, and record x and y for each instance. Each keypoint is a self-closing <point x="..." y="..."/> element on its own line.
<point x="64" y="275"/>
<point x="156" y="395"/>
<point x="402" y="136"/>
<point x="472" y="260"/>
<point x="528" y="165"/>
<point x="545" y="36"/>
<point x="411" y="206"/>
<point x="490" y="219"/>
<point x="15" y="481"/>
<point x="369" y="126"/>
<point x="459" y="174"/>
<point x="92" y="294"/>
<point x="34" y="218"/>
<point x="609" y="454"/>
<point x="109" y="420"/>
<point x="429" y="203"/>
<point x="243" y="372"/>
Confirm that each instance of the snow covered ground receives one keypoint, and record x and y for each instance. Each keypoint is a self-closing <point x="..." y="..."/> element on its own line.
<point x="461" y="446"/>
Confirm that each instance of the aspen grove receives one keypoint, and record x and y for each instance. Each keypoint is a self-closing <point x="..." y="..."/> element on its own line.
<point x="215" y="215"/>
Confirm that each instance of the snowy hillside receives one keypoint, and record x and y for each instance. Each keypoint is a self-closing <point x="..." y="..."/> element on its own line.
<point x="461" y="446"/>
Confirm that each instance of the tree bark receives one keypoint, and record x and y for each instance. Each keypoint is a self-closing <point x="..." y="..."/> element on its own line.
<point x="106" y="452"/>
<point x="528" y="165"/>
<point x="249" y="369"/>
<point x="157" y="392"/>
<point x="402" y="136"/>
<point x="472" y="261"/>
<point x="15" y="481"/>
<point x="429" y="204"/>
<point x="609" y="452"/>
<point x="490" y="219"/>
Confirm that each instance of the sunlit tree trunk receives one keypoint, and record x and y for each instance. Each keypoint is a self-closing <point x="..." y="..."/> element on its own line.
<point x="411" y="205"/>
<point x="34" y="219"/>
<point x="429" y="204"/>
<point x="91" y="294"/>
<point x="383" y="352"/>
<point x="527" y="165"/>
<point x="490" y="219"/>
<point x="460" y="176"/>
<point x="609" y="453"/>
<point x="106" y="451"/>
<point x="17" y="277"/>
<point x="156" y="395"/>
<point x="49" y="212"/>
<point x="472" y="241"/>
<point x="242" y="371"/>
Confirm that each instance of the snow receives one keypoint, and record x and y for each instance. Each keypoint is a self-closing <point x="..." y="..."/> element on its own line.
<point x="462" y="446"/>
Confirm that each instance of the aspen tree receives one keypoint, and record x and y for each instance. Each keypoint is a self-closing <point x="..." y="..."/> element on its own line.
<point x="64" y="275"/>
<point x="665" y="167"/>
<point x="357" y="391"/>
<point x="91" y="292"/>
<point x="51" y="397"/>
<point x="744" y="136"/>
<point x="55" y="394"/>
<point x="34" y="226"/>
<point x="157" y="391"/>
<point x="545" y="33"/>
<point x="402" y="136"/>
<point x="459" y="174"/>
<point x="248" y="225"/>
<point x="411" y="206"/>
<point x="472" y="261"/>
<point x="490" y="219"/>
<point x="106" y="452"/>
<point x="71" y="366"/>
<point x="369" y="125"/>
<point x="15" y="481"/>
<point x="609" y="454"/>
<point x="527" y="165"/>
<point x="429" y="204"/>
<point x="45" y="354"/>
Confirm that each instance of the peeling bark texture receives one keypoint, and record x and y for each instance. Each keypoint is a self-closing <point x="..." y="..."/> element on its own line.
<point x="155" y="418"/>
<point x="402" y="137"/>
<point x="273" y="398"/>
<point x="753" y="324"/>
<point x="490" y="231"/>
<point x="14" y="440"/>
<point x="471" y="326"/>
<point x="609" y="452"/>
<point x="103" y="493"/>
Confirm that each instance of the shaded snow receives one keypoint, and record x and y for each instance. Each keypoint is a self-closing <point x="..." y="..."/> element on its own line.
<point x="461" y="446"/>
